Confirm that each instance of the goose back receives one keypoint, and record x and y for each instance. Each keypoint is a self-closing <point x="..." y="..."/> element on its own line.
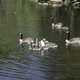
<point x="75" y="42"/>
<point x="28" y="40"/>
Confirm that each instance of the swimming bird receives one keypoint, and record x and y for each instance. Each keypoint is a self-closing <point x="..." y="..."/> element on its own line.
<point x="23" y="40"/>
<point x="43" y="4"/>
<point x="47" y="45"/>
<point x="76" y="4"/>
<point x="44" y="45"/>
<point x="74" y="42"/>
<point x="59" y="27"/>
<point x="55" y="3"/>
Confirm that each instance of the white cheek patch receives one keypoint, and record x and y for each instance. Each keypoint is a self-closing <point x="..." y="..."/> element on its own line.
<point x="20" y="41"/>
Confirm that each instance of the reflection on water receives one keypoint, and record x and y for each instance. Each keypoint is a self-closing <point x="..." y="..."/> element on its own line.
<point x="32" y="66"/>
<point x="35" y="21"/>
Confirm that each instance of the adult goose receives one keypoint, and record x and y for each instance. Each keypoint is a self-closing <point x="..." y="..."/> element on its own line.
<point x="23" y="40"/>
<point x="74" y="42"/>
<point x="59" y="27"/>
<point x="47" y="45"/>
<point x="43" y="4"/>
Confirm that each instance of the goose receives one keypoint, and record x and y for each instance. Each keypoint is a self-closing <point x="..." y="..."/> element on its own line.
<point x="55" y="3"/>
<point x="65" y="28"/>
<point x="59" y="26"/>
<point x="43" y="4"/>
<point x="22" y="40"/>
<point x="76" y="5"/>
<point x="46" y="44"/>
<point x="74" y="42"/>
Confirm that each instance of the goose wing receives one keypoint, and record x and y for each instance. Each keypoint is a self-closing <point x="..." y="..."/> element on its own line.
<point x="28" y="40"/>
<point x="75" y="39"/>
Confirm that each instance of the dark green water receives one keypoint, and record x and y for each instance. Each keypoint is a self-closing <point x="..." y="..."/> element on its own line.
<point x="35" y="21"/>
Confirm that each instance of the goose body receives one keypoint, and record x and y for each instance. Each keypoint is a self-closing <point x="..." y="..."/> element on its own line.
<point x="55" y="3"/>
<point x="25" y="40"/>
<point x="74" y="42"/>
<point x="43" y="4"/>
<point x="65" y="28"/>
<point x="59" y="27"/>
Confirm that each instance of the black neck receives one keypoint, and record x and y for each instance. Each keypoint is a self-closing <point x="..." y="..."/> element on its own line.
<point x="68" y="35"/>
<point x="21" y="36"/>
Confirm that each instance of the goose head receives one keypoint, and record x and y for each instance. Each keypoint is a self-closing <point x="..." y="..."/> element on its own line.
<point x="21" y="35"/>
<point x="67" y="35"/>
<point x="20" y="38"/>
<point x="67" y="38"/>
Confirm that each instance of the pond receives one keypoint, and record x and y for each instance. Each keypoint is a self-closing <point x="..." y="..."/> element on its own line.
<point x="33" y="20"/>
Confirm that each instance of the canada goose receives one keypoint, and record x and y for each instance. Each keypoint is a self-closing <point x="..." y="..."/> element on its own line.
<point x="43" y="4"/>
<point x="74" y="42"/>
<point x="65" y="28"/>
<point x="55" y="3"/>
<point x="59" y="27"/>
<point x="44" y="45"/>
<point x="76" y="4"/>
<point x="25" y="40"/>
